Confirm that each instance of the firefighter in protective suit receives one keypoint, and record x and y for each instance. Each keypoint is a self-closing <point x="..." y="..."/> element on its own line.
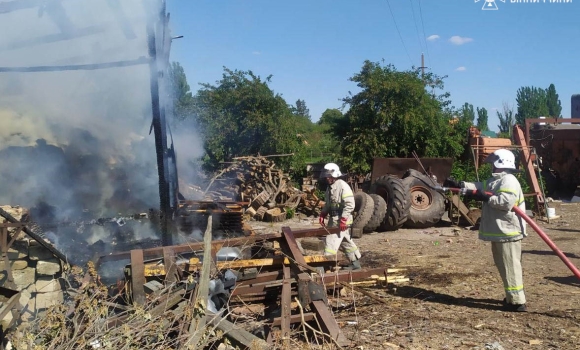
<point x="339" y="205"/>
<point x="501" y="226"/>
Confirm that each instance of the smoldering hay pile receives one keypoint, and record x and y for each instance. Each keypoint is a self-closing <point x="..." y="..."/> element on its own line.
<point x="75" y="145"/>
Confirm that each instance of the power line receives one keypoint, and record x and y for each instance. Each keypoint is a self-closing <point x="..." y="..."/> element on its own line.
<point x="416" y="27"/>
<point x="424" y="36"/>
<point x="398" y="31"/>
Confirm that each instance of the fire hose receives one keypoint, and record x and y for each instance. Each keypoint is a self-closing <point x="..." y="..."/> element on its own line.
<point x="526" y="218"/>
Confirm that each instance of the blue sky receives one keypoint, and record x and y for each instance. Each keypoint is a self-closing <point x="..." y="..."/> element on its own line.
<point x="312" y="47"/>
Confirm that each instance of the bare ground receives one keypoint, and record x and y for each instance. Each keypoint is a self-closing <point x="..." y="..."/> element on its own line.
<point x="453" y="300"/>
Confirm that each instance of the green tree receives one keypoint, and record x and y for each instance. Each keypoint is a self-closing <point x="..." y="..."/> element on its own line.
<point x="532" y="103"/>
<point x="183" y="102"/>
<point x="482" y="119"/>
<point x="506" y="121"/>
<point x="553" y="102"/>
<point x="467" y="113"/>
<point x="301" y="110"/>
<point x="242" y="116"/>
<point x="393" y="115"/>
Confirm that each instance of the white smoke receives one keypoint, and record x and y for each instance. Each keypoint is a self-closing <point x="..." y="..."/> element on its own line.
<point x="80" y="140"/>
<point x="97" y="120"/>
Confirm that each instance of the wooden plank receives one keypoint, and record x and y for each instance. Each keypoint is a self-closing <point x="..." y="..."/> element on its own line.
<point x="328" y="323"/>
<point x="238" y="336"/>
<point x="137" y="277"/>
<point x="170" y="266"/>
<point x="529" y="166"/>
<point x="285" y="303"/>
<point x="463" y="210"/>
<point x="202" y="295"/>
<point x="154" y="269"/>
<point x="308" y="316"/>
<point x="153" y="253"/>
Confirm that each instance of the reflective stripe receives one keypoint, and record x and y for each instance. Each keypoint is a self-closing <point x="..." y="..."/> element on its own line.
<point x="514" y="289"/>
<point x="328" y="250"/>
<point x="346" y="195"/>
<point x="352" y="250"/>
<point x="500" y="234"/>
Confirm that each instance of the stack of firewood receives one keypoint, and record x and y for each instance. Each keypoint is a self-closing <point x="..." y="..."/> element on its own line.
<point x="268" y="190"/>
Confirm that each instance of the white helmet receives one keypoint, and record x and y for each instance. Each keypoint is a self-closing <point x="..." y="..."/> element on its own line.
<point x="502" y="159"/>
<point x="331" y="170"/>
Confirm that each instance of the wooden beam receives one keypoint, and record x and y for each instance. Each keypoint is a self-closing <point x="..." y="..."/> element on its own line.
<point x="152" y="253"/>
<point x="193" y="264"/>
<point x="137" y="277"/>
<point x="237" y="335"/>
<point x="285" y="304"/>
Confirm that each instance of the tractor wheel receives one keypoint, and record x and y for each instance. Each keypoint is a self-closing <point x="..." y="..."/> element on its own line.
<point x="363" y="210"/>
<point x="427" y="206"/>
<point x="398" y="200"/>
<point x="379" y="212"/>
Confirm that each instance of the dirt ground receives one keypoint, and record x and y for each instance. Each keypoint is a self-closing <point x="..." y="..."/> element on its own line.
<point x="453" y="298"/>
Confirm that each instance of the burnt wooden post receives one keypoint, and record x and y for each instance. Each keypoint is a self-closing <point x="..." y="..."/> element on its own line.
<point x="157" y="24"/>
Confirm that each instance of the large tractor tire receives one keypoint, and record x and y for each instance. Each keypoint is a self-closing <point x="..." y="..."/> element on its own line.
<point x="363" y="210"/>
<point x="379" y="212"/>
<point x="398" y="199"/>
<point x="427" y="206"/>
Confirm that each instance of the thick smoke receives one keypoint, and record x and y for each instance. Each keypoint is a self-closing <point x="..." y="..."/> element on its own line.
<point x="80" y="140"/>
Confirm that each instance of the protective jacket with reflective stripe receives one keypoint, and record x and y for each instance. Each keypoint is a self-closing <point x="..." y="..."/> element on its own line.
<point x="498" y="222"/>
<point x="339" y="202"/>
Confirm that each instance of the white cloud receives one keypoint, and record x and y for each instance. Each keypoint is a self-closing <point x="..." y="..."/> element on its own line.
<point x="433" y="37"/>
<point x="459" y="40"/>
<point x="461" y="69"/>
<point x="256" y="53"/>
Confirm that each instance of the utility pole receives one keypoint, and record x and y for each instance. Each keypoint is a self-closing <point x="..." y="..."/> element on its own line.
<point x="423" y="67"/>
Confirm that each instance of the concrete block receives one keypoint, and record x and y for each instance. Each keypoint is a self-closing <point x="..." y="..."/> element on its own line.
<point x="18" y="264"/>
<point x="45" y="300"/>
<point x="24" y="278"/>
<point x="18" y="250"/>
<point x="48" y="268"/>
<point x="45" y="285"/>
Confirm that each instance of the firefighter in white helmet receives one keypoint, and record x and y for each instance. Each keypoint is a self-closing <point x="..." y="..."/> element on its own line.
<point x="339" y="205"/>
<point x="501" y="226"/>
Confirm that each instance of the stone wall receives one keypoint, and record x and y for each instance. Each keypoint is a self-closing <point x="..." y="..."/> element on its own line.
<point x="36" y="272"/>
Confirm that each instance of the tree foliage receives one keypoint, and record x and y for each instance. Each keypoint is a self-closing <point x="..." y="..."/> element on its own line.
<point x="242" y="116"/>
<point x="467" y="113"/>
<point x="482" y="119"/>
<point x="301" y="110"/>
<point x="553" y="102"/>
<point x="506" y="121"/>
<point x="181" y="93"/>
<point x="532" y="103"/>
<point x="393" y="115"/>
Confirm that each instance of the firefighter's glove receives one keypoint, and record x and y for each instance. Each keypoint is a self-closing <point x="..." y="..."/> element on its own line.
<point x="342" y="225"/>
<point x="321" y="219"/>
<point x="452" y="183"/>
<point x="480" y="196"/>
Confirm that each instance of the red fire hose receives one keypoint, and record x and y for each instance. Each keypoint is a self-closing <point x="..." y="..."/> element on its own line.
<point x="527" y="219"/>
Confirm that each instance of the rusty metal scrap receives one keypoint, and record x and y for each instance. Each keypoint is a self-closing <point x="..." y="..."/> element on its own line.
<point x="295" y="284"/>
